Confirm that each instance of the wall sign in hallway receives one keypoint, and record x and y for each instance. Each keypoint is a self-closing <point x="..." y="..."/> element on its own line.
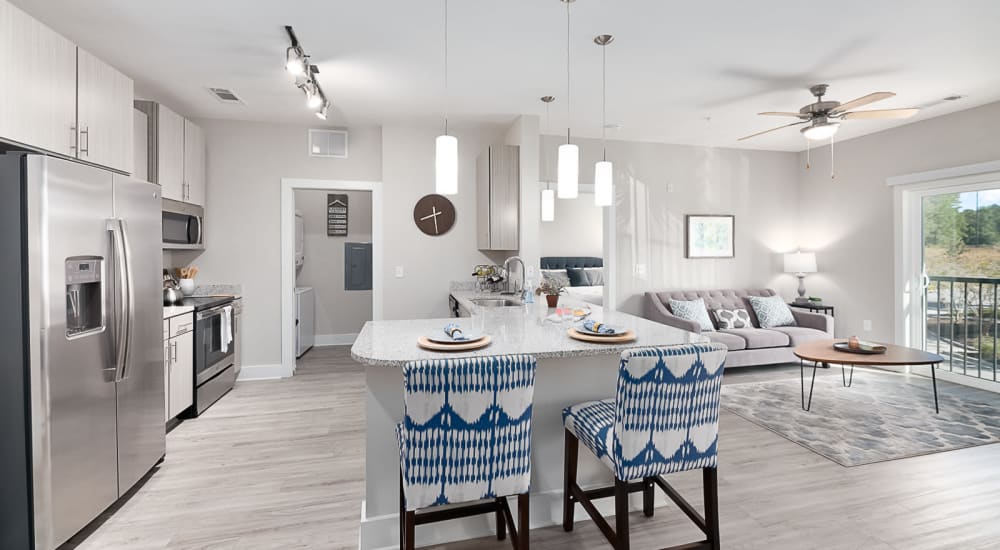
<point x="336" y="215"/>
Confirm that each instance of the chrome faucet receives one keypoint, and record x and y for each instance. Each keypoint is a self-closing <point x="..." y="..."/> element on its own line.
<point x="510" y="282"/>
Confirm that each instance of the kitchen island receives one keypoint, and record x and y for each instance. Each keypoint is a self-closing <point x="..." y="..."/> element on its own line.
<point x="569" y="372"/>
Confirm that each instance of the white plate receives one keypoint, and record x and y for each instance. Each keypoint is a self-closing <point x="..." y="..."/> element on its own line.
<point x="445" y="339"/>
<point x="618" y="331"/>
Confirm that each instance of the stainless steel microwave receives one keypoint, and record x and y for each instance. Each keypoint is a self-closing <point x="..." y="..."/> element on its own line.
<point x="183" y="225"/>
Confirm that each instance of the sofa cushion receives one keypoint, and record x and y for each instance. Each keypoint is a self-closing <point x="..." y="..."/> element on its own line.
<point x="731" y="341"/>
<point x="772" y="311"/>
<point x="760" y="338"/>
<point x="559" y="275"/>
<point x="693" y="310"/>
<point x="801" y="335"/>
<point x="733" y="318"/>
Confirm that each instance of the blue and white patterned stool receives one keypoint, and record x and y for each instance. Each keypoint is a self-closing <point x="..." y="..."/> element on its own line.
<point x="664" y="419"/>
<point x="466" y="436"/>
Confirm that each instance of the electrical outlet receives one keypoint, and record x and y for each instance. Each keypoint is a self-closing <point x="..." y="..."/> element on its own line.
<point x="399" y="272"/>
<point x="867" y="324"/>
<point x="531" y="271"/>
<point x="639" y="270"/>
<point x="670" y="188"/>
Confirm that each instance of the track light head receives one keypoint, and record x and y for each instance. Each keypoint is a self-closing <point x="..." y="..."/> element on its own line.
<point x="321" y="113"/>
<point x="295" y="61"/>
<point x="314" y="99"/>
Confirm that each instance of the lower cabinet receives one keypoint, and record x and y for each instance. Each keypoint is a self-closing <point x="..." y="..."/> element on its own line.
<point x="178" y="364"/>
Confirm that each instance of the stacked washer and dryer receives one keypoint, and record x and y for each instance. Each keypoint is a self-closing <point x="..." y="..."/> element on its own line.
<point x="305" y="296"/>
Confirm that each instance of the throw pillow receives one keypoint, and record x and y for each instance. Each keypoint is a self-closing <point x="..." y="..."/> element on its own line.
<point x="577" y="277"/>
<point x="733" y="318"/>
<point x="772" y="311"/>
<point x="557" y="274"/>
<point x="595" y="275"/>
<point x="693" y="310"/>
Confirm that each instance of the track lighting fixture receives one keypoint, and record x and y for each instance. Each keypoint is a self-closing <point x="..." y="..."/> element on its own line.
<point x="321" y="113"/>
<point x="297" y="63"/>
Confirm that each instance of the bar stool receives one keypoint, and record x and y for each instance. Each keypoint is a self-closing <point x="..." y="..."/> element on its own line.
<point x="466" y="437"/>
<point x="664" y="419"/>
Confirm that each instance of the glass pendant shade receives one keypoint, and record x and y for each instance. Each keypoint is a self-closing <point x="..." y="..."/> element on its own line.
<point x="603" y="183"/>
<point x="446" y="165"/>
<point x="568" y="171"/>
<point x="548" y="205"/>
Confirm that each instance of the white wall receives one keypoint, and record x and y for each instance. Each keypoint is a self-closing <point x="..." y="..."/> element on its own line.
<point x="848" y="220"/>
<point x="657" y="184"/>
<point x="246" y="161"/>
<point x="577" y="229"/>
<point x="429" y="263"/>
<point x="338" y="311"/>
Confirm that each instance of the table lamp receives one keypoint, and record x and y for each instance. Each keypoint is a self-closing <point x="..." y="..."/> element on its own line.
<point x="801" y="263"/>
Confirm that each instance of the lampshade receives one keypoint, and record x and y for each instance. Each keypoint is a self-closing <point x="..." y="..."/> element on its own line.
<point x="568" y="171"/>
<point x="603" y="183"/>
<point x="820" y="130"/>
<point x="548" y="205"/>
<point x="446" y="165"/>
<point x="800" y="262"/>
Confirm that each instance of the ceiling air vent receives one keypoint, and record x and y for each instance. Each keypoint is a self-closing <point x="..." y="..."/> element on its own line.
<point x="225" y="96"/>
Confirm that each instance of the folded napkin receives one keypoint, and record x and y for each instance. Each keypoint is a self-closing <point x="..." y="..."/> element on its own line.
<point x="454" y="332"/>
<point x="871" y="346"/>
<point x="598" y="327"/>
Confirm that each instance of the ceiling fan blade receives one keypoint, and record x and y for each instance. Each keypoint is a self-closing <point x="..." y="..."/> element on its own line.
<point x="863" y="100"/>
<point x="779" y="113"/>
<point x="772" y="129"/>
<point x="882" y="113"/>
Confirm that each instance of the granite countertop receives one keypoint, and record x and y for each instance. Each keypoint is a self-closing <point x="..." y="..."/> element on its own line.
<point x="517" y="329"/>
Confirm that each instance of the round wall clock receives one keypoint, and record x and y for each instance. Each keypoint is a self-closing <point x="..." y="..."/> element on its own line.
<point x="434" y="215"/>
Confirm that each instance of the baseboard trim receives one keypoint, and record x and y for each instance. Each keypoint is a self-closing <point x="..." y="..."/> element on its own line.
<point x="262" y="372"/>
<point x="336" y="339"/>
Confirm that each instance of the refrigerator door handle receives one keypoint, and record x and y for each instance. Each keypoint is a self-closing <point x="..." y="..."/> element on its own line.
<point x="129" y="296"/>
<point x="121" y="317"/>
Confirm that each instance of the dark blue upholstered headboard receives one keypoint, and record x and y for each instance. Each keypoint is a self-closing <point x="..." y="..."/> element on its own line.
<point x="564" y="262"/>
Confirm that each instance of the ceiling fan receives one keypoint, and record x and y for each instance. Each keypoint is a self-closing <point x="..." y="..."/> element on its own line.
<point x="823" y="117"/>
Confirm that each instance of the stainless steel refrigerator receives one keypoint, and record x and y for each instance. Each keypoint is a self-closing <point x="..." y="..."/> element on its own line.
<point x="91" y="363"/>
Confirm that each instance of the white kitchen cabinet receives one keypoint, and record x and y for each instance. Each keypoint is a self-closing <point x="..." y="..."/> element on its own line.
<point x="194" y="164"/>
<point x="498" y="198"/>
<point x="170" y="153"/>
<point x="104" y="114"/>
<point x="179" y="364"/>
<point x="37" y="83"/>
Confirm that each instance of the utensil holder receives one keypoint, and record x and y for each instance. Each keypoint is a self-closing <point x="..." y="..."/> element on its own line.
<point x="187" y="286"/>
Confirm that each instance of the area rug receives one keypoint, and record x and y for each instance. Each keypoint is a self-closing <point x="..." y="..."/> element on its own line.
<point x="883" y="416"/>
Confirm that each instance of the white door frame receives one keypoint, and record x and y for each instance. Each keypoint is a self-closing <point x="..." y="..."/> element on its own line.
<point x="288" y="187"/>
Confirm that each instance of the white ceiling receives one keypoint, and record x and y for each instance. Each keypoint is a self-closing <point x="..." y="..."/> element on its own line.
<point x="690" y="73"/>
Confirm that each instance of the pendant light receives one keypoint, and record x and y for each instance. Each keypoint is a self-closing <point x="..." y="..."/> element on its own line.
<point x="548" y="195"/>
<point x="603" y="170"/>
<point x="446" y="146"/>
<point x="568" y="170"/>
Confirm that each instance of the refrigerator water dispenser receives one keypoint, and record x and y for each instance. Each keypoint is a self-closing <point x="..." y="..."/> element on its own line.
<point x="84" y="295"/>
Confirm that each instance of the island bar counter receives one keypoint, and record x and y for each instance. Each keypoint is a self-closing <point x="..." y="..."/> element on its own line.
<point x="569" y="372"/>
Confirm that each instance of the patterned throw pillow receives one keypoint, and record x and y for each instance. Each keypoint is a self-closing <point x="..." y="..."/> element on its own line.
<point x="772" y="311"/>
<point x="558" y="274"/>
<point x="733" y="318"/>
<point x="693" y="310"/>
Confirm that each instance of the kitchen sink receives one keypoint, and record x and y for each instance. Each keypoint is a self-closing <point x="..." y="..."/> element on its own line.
<point x="495" y="302"/>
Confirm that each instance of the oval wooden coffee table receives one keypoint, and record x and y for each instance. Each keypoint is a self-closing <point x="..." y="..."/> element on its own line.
<point x="821" y="351"/>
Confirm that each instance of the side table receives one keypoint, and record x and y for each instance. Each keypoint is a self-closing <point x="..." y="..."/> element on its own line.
<point x="818" y="308"/>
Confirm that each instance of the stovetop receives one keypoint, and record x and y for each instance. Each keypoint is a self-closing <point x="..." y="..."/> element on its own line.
<point x="200" y="303"/>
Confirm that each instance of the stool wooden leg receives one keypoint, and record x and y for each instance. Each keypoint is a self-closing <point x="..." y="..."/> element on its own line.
<point x="501" y="522"/>
<point x="523" y="521"/>
<point x="570" y="454"/>
<point x="402" y="511"/>
<point x="621" y="514"/>
<point x="710" y="477"/>
<point x="411" y="527"/>
<point x="647" y="496"/>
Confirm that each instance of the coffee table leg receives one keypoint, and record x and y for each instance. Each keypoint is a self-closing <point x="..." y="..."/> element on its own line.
<point x="934" y="382"/>
<point x="802" y="379"/>
<point x="847" y="381"/>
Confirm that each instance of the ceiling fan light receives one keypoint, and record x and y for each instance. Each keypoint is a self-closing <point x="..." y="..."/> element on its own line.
<point x="548" y="205"/>
<point x="446" y="165"/>
<point x="603" y="183"/>
<point x="568" y="171"/>
<point x="820" y="130"/>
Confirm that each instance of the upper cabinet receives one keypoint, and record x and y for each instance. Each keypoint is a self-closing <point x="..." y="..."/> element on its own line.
<point x="194" y="163"/>
<point x="37" y="84"/>
<point x="498" y="198"/>
<point x="58" y="98"/>
<point x="104" y="114"/>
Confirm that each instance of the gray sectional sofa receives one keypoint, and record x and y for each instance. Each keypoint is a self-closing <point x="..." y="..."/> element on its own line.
<point x="747" y="346"/>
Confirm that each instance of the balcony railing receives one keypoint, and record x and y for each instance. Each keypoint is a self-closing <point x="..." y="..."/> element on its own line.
<point x="961" y="324"/>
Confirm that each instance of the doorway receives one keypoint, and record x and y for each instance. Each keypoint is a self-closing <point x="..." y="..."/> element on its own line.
<point x="329" y="314"/>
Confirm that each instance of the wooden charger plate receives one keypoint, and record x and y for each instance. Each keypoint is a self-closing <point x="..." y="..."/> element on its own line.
<point x="627" y="336"/>
<point x="434" y="346"/>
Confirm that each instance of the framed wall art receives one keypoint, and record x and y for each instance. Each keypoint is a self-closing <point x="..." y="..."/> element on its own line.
<point x="709" y="236"/>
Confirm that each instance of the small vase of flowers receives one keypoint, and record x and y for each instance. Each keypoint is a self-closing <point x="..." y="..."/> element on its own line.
<point x="551" y="288"/>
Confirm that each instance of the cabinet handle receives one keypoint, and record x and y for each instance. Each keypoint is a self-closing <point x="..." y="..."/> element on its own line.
<point x="173" y="352"/>
<point x="86" y="132"/>
<point x="76" y="138"/>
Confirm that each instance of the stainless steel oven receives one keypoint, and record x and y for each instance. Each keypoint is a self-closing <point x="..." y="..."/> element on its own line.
<point x="215" y="354"/>
<point x="183" y="225"/>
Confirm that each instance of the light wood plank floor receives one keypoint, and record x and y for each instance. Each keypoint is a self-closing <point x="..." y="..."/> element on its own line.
<point x="278" y="464"/>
